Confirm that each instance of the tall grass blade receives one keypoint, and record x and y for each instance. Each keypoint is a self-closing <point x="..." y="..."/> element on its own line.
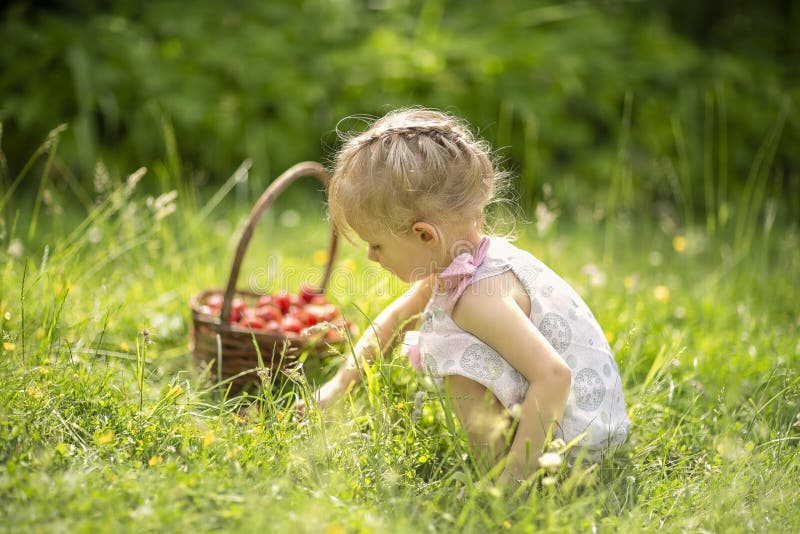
<point x="708" y="164"/>
<point x="44" y="148"/>
<point x="683" y="171"/>
<point x="3" y="161"/>
<point x="240" y="175"/>
<point x="752" y="200"/>
<point x="722" y="158"/>
<point x="37" y="203"/>
<point x="617" y="174"/>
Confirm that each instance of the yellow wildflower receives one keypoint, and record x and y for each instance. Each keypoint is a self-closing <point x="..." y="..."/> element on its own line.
<point x="628" y="282"/>
<point x="9" y="346"/>
<point x="506" y="524"/>
<point x="209" y="438"/>
<point x="661" y="293"/>
<point x="679" y="243"/>
<point x="105" y="438"/>
<point x="349" y="265"/>
<point x="124" y="347"/>
<point x="34" y="391"/>
<point x="320" y="257"/>
<point x="43" y="370"/>
<point x="154" y="461"/>
<point x="334" y="529"/>
<point x="610" y="336"/>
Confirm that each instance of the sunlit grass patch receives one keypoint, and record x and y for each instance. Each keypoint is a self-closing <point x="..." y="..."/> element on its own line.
<point x="107" y="424"/>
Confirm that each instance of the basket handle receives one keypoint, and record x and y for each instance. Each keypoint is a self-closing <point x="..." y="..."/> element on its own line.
<point x="306" y="168"/>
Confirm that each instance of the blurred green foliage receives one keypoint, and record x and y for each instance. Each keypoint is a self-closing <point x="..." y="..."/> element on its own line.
<point x="588" y="97"/>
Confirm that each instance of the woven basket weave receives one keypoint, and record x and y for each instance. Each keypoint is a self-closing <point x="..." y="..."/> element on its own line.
<point x="229" y="349"/>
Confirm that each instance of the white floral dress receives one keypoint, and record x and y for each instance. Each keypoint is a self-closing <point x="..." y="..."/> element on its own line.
<point x="595" y="409"/>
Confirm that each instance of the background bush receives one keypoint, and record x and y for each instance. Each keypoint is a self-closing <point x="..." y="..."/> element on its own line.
<point x="650" y="103"/>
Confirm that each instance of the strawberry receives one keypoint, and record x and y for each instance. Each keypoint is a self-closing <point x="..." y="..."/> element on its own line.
<point x="213" y="301"/>
<point x="237" y="307"/>
<point x="307" y="293"/>
<point x="282" y="301"/>
<point x="318" y="300"/>
<point x="325" y="312"/>
<point x="333" y="336"/>
<point x="264" y="300"/>
<point x="291" y="323"/>
<point x="254" y="322"/>
<point x="269" y="312"/>
<point x="309" y="319"/>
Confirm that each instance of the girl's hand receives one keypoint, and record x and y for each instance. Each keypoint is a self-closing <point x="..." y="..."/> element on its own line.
<point x="300" y="408"/>
<point x="376" y="338"/>
<point x="328" y="393"/>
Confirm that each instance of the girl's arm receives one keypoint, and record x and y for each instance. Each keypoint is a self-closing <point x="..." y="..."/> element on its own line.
<point x="374" y="341"/>
<point x="496" y="318"/>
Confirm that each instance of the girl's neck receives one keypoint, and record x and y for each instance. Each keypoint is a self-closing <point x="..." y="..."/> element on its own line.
<point x="462" y="238"/>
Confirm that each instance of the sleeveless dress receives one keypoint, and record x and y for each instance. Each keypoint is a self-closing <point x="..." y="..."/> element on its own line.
<point x="595" y="409"/>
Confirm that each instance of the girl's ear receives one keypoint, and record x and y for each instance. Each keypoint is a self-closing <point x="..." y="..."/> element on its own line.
<point x="426" y="233"/>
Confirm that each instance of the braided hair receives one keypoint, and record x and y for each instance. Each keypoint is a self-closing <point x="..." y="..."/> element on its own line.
<point x="411" y="165"/>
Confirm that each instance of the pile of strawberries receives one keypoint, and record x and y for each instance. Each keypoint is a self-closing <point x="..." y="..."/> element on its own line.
<point x="285" y="314"/>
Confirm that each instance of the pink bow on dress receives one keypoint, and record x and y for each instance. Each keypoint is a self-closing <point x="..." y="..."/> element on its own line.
<point x="462" y="269"/>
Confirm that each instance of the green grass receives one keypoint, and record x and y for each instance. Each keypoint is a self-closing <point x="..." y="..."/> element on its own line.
<point x="100" y="431"/>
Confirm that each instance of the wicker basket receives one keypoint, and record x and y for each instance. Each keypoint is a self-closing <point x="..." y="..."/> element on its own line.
<point x="229" y="349"/>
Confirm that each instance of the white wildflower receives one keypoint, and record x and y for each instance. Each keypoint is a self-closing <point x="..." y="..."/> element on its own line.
<point x="544" y="218"/>
<point x="548" y="481"/>
<point x="290" y="218"/>
<point x="550" y="461"/>
<point x="597" y="278"/>
<point x="16" y="248"/>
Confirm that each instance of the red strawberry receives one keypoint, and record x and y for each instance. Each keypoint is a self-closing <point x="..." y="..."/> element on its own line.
<point x="307" y="293"/>
<point x="291" y="323"/>
<point x="213" y="301"/>
<point x="309" y="319"/>
<point x="325" y="312"/>
<point x="269" y="312"/>
<point x="264" y="300"/>
<point x="282" y="301"/>
<point x="237" y="307"/>
<point x="333" y="336"/>
<point x="208" y="310"/>
<point x="257" y="323"/>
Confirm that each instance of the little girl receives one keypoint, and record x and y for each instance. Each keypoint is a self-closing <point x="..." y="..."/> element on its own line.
<point x="504" y="336"/>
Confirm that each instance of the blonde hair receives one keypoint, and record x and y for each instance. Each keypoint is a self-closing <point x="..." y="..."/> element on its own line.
<point x="411" y="165"/>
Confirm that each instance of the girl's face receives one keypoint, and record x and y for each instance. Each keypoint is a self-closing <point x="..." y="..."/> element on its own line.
<point x="410" y="257"/>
